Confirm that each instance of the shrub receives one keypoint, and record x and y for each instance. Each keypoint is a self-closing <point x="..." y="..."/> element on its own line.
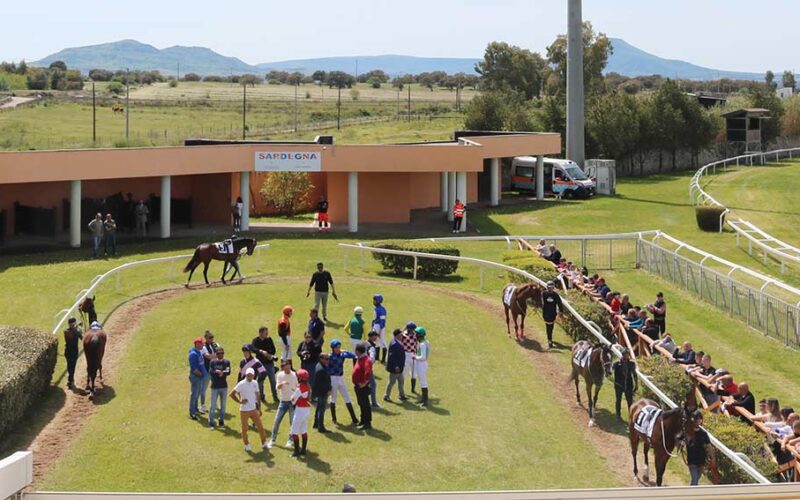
<point x="404" y="264"/>
<point x="590" y="312"/>
<point x="741" y="438"/>
<point x="173" y="84"/>
<point x="116" y="87"/>
<point x="27" y="361"/>
<point x="354" y="94"/>
<point x="669" y="377"/>
<point x="530" y="262"/>
<point x="708" y="218"/>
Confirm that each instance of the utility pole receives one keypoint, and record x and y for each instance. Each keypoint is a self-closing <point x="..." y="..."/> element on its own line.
<point x="339" y="109"/>
<point x="127" y="104"/>
<point x="398" y="102"/>
<point x="409" y="102"/>
<point x="295" y="107"/>
<point x="575" y="92"/>
<point x="244" y="111"/>
<point x="94" y="116"/>
<point x="178" y="73"/>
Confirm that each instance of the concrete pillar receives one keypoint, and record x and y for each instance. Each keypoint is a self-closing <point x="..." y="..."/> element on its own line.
<point x="352" y="202"/>
<point x="443" y="191"/>
<point x="540" y="177"/>
<point x="244" y="192"/>
<point x="166" y="213"/>
<point x="494" y="172"/>
<point x="461" y="194"/>
<point x="575" y="95"/>
<point x="451" y="194"/>
<point x="75" y="214"/>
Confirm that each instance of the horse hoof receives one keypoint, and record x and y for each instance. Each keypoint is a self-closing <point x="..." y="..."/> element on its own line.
<point x="591" y="422"/>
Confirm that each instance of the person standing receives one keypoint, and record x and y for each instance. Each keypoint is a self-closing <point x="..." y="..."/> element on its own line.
<point x="219" y="369"/>
<point x="197" y="372"/>
<point x="245" y="393"/>
<point x="72" y="336"/>
<point x="209" y="353"/>
<point x="458" y="215"/>
<point x="309" y="352"/>
<point x="237" y="208"/>
<point x="624" y="380"/>
<point x="301" y="400"/>
<point x="264" y="349"/>
<point x="322" y="214"/>
<point x="659" y="311"/>
<point x="286" y="384"/>
<point x="372" y="354"/>
<point x="96" y="228"/>
<point x="320" y="390"/>
<point x="355" y="327"/>
<point x="362" y="372"/>
<point x="421" y="363"/>
<point x="249" y="362"/>
<point x="338" y="386"/>
<point x="316" y="327"/>
<point x="321" y="280"/>
<point x="551" y="308"/>
<point x="285" y="332"/>
<point x="409" y="341"/>
<point x="395" y="365"/>
<point x="379" y="325"/>
<point x="698" y="450"/>
<point x="110" y="228"/>
<point x="141" y="212"/>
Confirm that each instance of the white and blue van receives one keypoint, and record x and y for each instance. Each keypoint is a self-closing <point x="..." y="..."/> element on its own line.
<point x="561" y="177"/>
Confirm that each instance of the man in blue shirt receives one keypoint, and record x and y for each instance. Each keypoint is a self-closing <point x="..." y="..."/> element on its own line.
<point x="197" y="373"/>
<point x="395" y="365"/>
<point x="338" y="384"/>
<point x="379" y="325"/>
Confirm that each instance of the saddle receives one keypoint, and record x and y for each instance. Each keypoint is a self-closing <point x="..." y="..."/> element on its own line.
<point x="646" y="420"/>
<point x="508" y="296"/>
<point x="225" y="247"/>
<point x="581" y="357"/>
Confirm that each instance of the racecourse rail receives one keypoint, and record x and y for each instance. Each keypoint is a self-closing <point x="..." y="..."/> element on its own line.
<point x="781" y="250"/>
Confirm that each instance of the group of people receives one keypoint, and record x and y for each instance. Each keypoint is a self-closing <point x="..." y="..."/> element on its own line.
<point x="104" y="230"/>
<point x="320" y="378"/>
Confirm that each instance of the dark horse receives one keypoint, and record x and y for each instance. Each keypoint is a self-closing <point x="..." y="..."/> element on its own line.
<point x="517" y="304"/>
<point x="205" y="252"/>
<point x="671" y="428"/>
<point x="86" y="308"/>
<point x="94" y="347"/>
<point x="597" y="367"/>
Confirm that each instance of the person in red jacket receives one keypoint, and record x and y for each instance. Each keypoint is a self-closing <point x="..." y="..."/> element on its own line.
<point x="362" y="373"/>
<point x="458" y="215"/>
<point x="302" y="410"/>
<point x="285" y="332"/>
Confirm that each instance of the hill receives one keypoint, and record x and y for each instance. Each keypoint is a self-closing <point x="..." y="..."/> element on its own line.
<point x="392" y="64"/>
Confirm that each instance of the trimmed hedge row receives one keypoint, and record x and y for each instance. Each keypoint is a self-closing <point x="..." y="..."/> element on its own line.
<point x="27" y="360"/>
<point x="742" y="438"/>
<point x="669" y="377"/>
<point x="591" y="312"/>
<point x="530" y="262"/>
<point x="426" y="268"/>
<point x="708" y="218"/>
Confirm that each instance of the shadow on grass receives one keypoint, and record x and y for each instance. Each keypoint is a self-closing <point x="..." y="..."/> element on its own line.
<point x="312" y="461"/>
<point x="453" y="278"/>
<point x="261" y="456"/>
<point x="336" y="437"/>
<point x="34" y="420"/>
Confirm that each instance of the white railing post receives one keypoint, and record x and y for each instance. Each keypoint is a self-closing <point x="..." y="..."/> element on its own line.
<point x="416" y="263"/>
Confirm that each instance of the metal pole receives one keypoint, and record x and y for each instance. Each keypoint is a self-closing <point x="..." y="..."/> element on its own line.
<point x="127" y="103"/>
<point x="94" y="115"/>
<point x="295" y="107"/>
<point x="409" y="102"/>
<point x="244" y="111"/>
<point x="575" y="91"/>
<point x="339" y="109"/>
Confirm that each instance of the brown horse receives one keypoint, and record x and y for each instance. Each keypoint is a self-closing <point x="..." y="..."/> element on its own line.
<point x="206" y="252"/>
<point x="518" y="305"/>
<point x="94" y="347"/>
<point x="86" y="308"/>
<point x="597" y="367"/>
<point x="670" y="429"/>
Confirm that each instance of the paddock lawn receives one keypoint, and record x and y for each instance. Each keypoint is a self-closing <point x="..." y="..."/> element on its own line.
<point x="493" y="424"/>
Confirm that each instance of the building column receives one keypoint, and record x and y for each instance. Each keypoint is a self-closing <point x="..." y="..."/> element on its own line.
<point x="461" y="194"/>
<point x="494" y="172"/>
<point x="352" y="202"/>
<point x="166" y="205"/>
<point x="451" y="194"/>
<point x="540" y="177"/>
<point x="443" y="191"/>
<point x="75" y="214"/>
<point x="244" y="192"/>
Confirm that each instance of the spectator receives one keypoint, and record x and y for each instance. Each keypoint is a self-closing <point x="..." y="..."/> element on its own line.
<point x="705" y="372"/>
<point x="650" y="329"/>
<point x="659" y="311"/>
<point x="320" y="281"/>
<point x="633" y="319"/>
<point x="141" y="212"/>
<point x="286" y="385"/>
<point x="615" y="302"/>
<point x="698" y="449"/>
<point x="302" y="404"/>
<point x="220" y="368"/>
<point x="686" y="356"/>
<point x="458" y="215"/>
<point x="555" y="254"/>
<point x="409" y="341"/>
<point x="726" y="386"/>
<point x="197" y="372"/>
<point x="395" y="365"/>
<point x="773" y="413"/>
<point x="285" y="332"/>
<point x="264" y="349"/>
<point x="379" y="326"/>
<point x="72" y="335"/>
<point x="601" y="288"/>
<point x="742" y="399"/>
<point x="543" y="249"/>
<point x="96" y="228"/>
<point x="666" y="342"/>
<point x="320" y="390"/>
<point x="110" y="228"/>
<point x="245" y="393"/>
<point x="322" y="214"/>
<point x="316" y="327"/>
<point x="372" y="353"/>
<point x="362" y="372"/>
<point x="624" y="381"/>
<point x="625" y="303"/>
<point x="338" y="386"/>
<point x="209" y="353"/>
<point x="355" y="327"/>
<point x="249" y="362"/>
<point x="236" y="209"/>
<point x="421" y="363"/>
<point x="308" y="351"/>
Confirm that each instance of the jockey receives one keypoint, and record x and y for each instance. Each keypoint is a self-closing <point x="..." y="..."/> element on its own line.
<point x="421" y="363"/>
<point x="551" y="308"/>
<point x="336" y="371"/>
<point x="285" y="332"/>
<point x="409" y="341"/>
<point x="95" y="326"/>
<point x="379" y="325"/>
<point x="302" y="410"/>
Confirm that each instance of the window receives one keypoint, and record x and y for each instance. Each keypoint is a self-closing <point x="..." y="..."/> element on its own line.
<point x="753" y="124"/>
<point x="524" y="171"/>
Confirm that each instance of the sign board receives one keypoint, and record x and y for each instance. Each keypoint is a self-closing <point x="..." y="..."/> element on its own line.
<point x="288" y="161"/>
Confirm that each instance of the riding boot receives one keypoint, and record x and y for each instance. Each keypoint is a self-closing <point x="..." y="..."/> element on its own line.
<point x="296" y="442"/>
<point x="305" y="443"/>
<point x="384" y="351"/>
<point x="424" y="400"/>
<point x="352" y="413"/>
<point x="333" y="413"/>
<point x="414" y="385"/>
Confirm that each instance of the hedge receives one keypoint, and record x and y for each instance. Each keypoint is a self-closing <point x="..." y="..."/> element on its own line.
<point x="426" y="268"/>
<point x="742" y="438"/>
<point x="669" y="377"/>
<point x="27" y="361"/>
<point x="530" y="262"/>
<point x="591" y="312"/>
<point x="708" y="218"/>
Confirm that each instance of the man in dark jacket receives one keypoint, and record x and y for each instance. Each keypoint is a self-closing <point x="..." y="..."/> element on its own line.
<point x="308" y="351"/>
<point x="551" y="308"/>
<point x="72" y="336"/>
<point x="320" y="389"/>
<point x="264" y="349"/>
<point x="624" y="380"/>
<point x="395" y="364"/>
<point x="686" y="355"/>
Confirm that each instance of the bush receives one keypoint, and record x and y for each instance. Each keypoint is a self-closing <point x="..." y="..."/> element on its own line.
<point x="590" y="312"/>
<point x="404" y="264"/>
<point x="354" y="94"/>
<point x="27" y="361"/>
<point x="708" y="218"/>
<point x="669" y="377"/>
<point x="173" y="84"/>
<point x="741" y="438"/>
<point x="530" y="262"/>
<point x="116" y="87"/>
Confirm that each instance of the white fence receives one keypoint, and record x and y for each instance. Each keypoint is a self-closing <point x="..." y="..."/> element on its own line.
<point x="594" y="329"/>
<point x="781" y="251"/>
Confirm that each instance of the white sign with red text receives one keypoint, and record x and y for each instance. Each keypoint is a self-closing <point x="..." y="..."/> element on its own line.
<point x="288" y="161"/>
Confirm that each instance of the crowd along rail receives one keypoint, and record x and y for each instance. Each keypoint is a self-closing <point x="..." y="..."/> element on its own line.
<point x="780" y="250"/>
<point x="590" y="326"/>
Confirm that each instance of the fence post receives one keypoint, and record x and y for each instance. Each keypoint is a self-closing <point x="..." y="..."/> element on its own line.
<point x="415" y="267"/>
<point x="611" y="254"/>
<point x="583" y="253"/>
<point x="362" y="259"/>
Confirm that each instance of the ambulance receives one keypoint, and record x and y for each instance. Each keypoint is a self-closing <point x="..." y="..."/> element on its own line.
<point x="562" y="178"/>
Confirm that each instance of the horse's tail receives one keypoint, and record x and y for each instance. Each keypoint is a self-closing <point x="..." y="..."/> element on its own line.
<point x="194" y="259"/>
<point x="91" y="350"/>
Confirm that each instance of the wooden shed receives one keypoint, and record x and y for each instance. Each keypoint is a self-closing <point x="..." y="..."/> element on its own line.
<point x="744" y="126"/>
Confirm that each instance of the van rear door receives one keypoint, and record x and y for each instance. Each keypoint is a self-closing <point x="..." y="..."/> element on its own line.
<point x="523" y="178"/>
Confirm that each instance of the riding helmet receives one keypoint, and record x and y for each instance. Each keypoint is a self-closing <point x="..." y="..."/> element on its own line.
<point x="411" y="325"/>
<point x="287" y="310"/>
<point x="358" y="310"/>
<point x="420" y="330"/>
<point x="377" y="298"/>
<point x="336" y="343"/>
<point x="302" y="375"/>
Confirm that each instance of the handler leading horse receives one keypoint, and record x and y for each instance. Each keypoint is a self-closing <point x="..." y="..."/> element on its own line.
<point x="515" y="300"/>
<point x="206" y="252"/>
<point x="593" y="363"/>
<point x="94" y="347"/>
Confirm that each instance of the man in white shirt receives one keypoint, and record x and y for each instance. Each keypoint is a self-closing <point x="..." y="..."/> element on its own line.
<point x="247" y="396"/>
<point x="285" y="383"/>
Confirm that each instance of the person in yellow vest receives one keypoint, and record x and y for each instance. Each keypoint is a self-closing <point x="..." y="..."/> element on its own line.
<point x="458" y="215"/>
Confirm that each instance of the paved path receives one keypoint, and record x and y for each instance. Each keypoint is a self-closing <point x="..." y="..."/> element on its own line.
<point x="16" y="101"/>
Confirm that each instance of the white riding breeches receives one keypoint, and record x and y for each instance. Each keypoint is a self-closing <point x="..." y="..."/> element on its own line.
<point x="300" y="420"/>
<point x="339" y="386"/>
<point x="421" y="373"/>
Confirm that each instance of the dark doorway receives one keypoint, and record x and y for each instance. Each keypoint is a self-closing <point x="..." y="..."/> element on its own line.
<point x="485" y="182"/>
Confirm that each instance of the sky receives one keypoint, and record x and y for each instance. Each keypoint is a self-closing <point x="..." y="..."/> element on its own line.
<point x="722" y="34"/>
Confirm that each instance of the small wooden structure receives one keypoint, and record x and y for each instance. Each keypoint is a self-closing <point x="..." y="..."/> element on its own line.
<point x="744" y="126"/>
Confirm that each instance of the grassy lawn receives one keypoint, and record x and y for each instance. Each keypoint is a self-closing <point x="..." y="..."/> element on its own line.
<point x="478" y="387"/>
<point x="306" y="218"/>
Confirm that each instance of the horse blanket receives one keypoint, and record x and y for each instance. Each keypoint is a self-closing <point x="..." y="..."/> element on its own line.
<point x="646" y="419"/>
<point x="225" y="247"/>
<point x="509" y="295"/>
<point x="581" y="357"/>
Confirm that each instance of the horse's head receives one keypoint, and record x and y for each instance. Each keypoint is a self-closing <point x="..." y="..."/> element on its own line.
<point x="251" y="245"/>
<point x="532" y="292"/>
<point x="87" y="304"/>
<point x="606" y="358"/>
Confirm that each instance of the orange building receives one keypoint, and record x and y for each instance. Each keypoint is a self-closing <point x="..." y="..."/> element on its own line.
<point x="197" y="183"/>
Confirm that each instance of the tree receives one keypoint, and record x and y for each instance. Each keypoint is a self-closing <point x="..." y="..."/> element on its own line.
<point x="499" y="110"/>
<point x="596" y="51"/>
<point x="22" y="68"/>
<point x="115" y="87"/>
<point x="319" y="76"/>
<point x="100" y="75"/>
<point x="58" y="65"/>
<point x="295" y="78"/>
<point x="288" y="192"/>
<point x="340" y="80"/>
<point x="57" y="79"/>
<point x="760" y="96"/>
<point x="375" y="83"/>
<point x="791" y="118"/>
<point x="769" y="79"/>
<point x="37" y="79"/>
<point x="507" y="67"/>
<point x="191" y="77"/>
<point x="611" y="122"/>
<point x="250" y="80"/>
<point x="789" y="81"/>
<point x="398" y="83"/>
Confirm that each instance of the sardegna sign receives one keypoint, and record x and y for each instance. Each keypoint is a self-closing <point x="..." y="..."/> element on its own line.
<point x="288" y="161"/>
